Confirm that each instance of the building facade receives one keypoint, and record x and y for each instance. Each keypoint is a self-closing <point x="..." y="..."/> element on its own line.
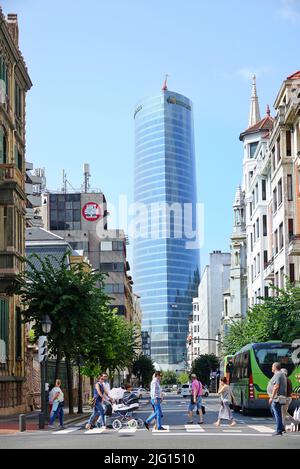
<point x="164" y="265"/>
<point x="208" y="306"/>
<point x="14" y="84"/>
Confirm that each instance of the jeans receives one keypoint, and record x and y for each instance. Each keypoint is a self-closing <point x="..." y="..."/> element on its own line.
<point x="156" y="414"/>
<point x="60" y="412"/>
<point x="277" y="414"/>
<point x="98" y="411"/>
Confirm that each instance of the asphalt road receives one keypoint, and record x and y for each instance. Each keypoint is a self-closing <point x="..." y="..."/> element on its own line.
<point x="250" y="432"/>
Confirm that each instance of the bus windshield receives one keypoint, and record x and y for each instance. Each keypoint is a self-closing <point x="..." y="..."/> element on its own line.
<point x="266" y="355"/>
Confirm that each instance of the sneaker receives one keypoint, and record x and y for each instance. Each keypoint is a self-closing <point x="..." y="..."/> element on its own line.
<point x="62" y="427"/>
<point x="88" y="426"/>
<point x="217" y="424"/>
<point x="200" y="423"/>
<point x="147" y="426"/>
<point x="233" y="423"/>
<point x="276" y="434"/>
<point x="51" y="426"/>
<point x="161" y="428"/>
<point x="190" y="423"/>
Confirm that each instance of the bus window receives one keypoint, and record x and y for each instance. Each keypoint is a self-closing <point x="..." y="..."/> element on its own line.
<point x="266" y="355"/>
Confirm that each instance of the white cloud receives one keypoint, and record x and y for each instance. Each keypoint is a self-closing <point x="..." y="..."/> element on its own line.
<point x="290" y="10"/>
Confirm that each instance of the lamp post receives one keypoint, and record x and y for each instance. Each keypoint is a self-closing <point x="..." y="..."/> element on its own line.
<point x="43" y="357"/>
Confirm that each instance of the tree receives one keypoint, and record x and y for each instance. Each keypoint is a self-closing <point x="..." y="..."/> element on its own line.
<point x="203" y="365"/>
<point x="143" y="369"/>
<point x="276" y="318"/>
<point x="169" y="377"/>
<point x="183" y="378"/>
<point x="72" y="295"/>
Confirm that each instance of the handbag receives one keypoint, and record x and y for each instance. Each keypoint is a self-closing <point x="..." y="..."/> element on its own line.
<point x="92" y="402"/>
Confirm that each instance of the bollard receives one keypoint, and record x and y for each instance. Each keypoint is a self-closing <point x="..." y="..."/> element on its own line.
<point x="22" y="423"/>
<point x="41" y="421"/>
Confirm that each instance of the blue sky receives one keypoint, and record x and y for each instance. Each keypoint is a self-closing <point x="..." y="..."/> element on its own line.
<point x="91" y="61"/>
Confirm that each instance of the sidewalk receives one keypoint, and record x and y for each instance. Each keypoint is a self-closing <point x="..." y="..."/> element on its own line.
<point x="10" y="424"/>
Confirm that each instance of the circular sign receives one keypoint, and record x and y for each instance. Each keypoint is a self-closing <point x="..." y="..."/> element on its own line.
<point x="91" y="211"/>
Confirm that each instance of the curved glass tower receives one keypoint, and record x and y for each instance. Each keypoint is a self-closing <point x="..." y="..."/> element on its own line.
<point x="165" y="263"/>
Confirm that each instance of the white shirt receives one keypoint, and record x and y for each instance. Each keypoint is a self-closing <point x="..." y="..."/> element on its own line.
<point x="54" y="391"/>
<point x="106" y="387"/>
<point x="155" y="390"/>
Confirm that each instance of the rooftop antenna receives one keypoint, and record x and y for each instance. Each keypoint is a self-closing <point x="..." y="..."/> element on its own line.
<point x="64" y="187"/>
<point x="165" y="87"/>
<point x="87" y="175"/>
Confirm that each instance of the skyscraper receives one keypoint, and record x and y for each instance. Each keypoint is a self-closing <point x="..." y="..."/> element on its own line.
<point x="166" y="265"/>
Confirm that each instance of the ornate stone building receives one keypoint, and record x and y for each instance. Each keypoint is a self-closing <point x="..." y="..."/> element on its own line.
<point x="14" y="83"/>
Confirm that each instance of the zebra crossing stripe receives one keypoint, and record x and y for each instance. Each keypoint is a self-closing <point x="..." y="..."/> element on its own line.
<point x="94" y="431"/>
<point x="194" y="429"/>
<point x="261" y="428"/>
<point x="65" y="431"/>
<point x="167" y="430"/>
<point x="127" y="430"/>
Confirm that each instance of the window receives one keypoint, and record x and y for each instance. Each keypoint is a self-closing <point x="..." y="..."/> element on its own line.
<point x="292" y="273"/>
<point x="289" y="187"/>
<point x="288" y="137"/>
<point x="117" y="245"/>
<point x="278" y="151"/>
<point x="253" y="199"/>
<point x="276" y="281"/>
<point x="276" y="241"/>
<point x="251" y="241"/>
<point x="266" y="292"/>
<point x="265" y="229"/>
<point x="252" y="273"/>
<point x="275" y="200"/>
<point x="3" y="146"/>
<point x="257" y="228"/>
<point x="263" y="190"/>
<point x="282" y="277"/>
<point x="281" y="241"/>
<point x="291" y="227"/>
<point x="273" y="160"/>
<point x="254" y="234"/>
<point x="18" y="349"/>
<point x="258" y="263"/>
<point x="114" y="288"/>
<point x="256" y="194"/>
<point x="3" y="331"/>
<point x="279" y="192"/>
<point x="251" y="209"/>
<point x="252" y="149"/>
<point x="106" y="246"/>
<point x="265" y="259"/>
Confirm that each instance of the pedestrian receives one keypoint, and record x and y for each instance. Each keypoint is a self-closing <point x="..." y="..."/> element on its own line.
<point x="277" y="390"/>
<point x="196" y="400"/>
<point x="98" y="398"/>
<point x="289" y="390"/>
<point x="226" y="400"/>
<point x="156" y="398"/>
<point x="107" y="401"/>
<point x="56" y="398"/>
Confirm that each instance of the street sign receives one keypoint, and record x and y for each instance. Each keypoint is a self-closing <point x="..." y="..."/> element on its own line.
<point x="43" y="348"/>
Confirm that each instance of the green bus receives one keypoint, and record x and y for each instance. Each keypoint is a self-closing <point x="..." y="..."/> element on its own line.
<point x="252" y="370"/>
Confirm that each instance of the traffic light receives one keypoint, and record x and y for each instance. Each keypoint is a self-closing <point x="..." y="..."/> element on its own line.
<point x="43" y="348"/>
<point x="190" y="338"/>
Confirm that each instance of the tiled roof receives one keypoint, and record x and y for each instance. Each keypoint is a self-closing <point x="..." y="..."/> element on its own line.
<point x="264" y="124"/>
<point x="295" y="76"/>
<point x="40" y="234"/>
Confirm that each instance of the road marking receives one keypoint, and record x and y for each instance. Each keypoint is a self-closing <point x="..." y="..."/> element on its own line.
<point x="214" y="434"/>
<point x="194" y="429"/>
<point x="128" y="430"/>
<point x="167" y="429"/>
<point x="232" y="431"/>
<point x="261" y="428"/>
<point x="93" y="431"/>
<point x="67" y="430"/>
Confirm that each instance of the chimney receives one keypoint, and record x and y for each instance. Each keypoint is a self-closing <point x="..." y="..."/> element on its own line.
<point x="12" y="24"/>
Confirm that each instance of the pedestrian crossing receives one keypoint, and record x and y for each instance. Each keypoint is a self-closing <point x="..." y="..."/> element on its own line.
<point x="176" y="430"/>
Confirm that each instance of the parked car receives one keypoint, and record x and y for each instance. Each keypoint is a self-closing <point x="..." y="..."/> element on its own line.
<point x="205" y="391"/>
<point x="186" y="390"/>
<point x="166" y="389"/>
<point x="140" y="392"/>
<point x="179" y="390"/>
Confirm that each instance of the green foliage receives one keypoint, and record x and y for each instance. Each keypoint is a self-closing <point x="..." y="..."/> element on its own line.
<point x="183" y="378"/>
<point x="169" y="377"/>
<point x="31" y="337"/>
<point x="204" y="365"/>
<point x="276" y="318"/>
<point x="143" y="369"/>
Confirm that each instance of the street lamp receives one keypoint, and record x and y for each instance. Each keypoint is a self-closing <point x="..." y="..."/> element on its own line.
<point x="43" y="354"/>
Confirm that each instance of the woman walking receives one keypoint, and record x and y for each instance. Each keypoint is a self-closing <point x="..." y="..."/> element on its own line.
<point x="98" y="398"/>
<point x="226" y="399"/>
<point x="56" y="398"/>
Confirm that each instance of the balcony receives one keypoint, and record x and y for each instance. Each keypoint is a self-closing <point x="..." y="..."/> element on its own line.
<point x="10" y="266"/>
<point x="269" y="270"/>
<point x="10" y="173"/>
<point x="294" y="246"/>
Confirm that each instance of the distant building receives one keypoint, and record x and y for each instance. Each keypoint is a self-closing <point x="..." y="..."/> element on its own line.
<point x="208" y="306"/>
<point x="34" y="183"/>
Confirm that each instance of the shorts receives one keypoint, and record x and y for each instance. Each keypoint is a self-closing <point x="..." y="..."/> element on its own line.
<point x="198" y="403"/>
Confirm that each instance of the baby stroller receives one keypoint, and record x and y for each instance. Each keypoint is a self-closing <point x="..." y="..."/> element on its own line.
<point x="123" y="413"/>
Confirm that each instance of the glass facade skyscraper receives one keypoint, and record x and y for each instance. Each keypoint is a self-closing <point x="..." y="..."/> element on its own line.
<point x="165" y="266"/>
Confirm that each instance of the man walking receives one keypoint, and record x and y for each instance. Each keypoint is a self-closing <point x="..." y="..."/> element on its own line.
<point x="196" y="400"/>
<point x="156" y="398"/>
<point x="106" y="402"/>
<point x="277" y="389"/>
